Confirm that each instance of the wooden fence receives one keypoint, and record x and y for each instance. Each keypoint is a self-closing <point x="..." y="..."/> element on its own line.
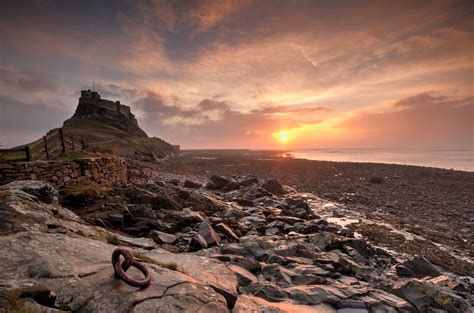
<point x="53" y="144"/>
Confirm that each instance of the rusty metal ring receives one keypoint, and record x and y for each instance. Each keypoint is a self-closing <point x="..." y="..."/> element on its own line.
<point x="122" y="265"/>
<point x="128" y="256"/>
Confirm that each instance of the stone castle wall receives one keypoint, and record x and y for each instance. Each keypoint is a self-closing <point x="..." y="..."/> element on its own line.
<point x="109" y="105"/>
<point x="117" y="118"/>
<point x="102" y="170"/>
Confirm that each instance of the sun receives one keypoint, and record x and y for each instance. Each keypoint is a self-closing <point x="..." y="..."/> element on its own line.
<point x="282" y="136"/>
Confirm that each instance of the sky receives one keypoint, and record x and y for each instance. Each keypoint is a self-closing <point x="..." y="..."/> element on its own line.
<point x="266" y="74"/>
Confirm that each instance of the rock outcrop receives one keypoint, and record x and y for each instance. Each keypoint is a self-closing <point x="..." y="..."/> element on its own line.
<point x="206" y="253"/>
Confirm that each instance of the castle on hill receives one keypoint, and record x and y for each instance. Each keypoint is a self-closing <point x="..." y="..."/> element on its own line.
<point x="93" y="98"/>
<point x="93" y="108"/>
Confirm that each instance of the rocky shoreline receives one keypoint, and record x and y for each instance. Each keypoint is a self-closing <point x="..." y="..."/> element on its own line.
<point x="433" y="206"/>
<point x="228" y="243"/>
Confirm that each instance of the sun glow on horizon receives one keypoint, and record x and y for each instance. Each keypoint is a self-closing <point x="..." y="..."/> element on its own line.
<point x="282" y="136"/>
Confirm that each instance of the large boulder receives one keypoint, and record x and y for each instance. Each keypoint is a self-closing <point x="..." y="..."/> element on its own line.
<point x="209" y="234"/>
<point x="217" y="182"/>
<point x="191" y="184"/>
<point x="244" y="277"/>
<point x="426" y="297"/>
<point x="417" y="267"/>
<point x="42" y="190"/>
<point x="273" y="186"/>
<point x="162" y="238"/>
<point x="225" y="230"/>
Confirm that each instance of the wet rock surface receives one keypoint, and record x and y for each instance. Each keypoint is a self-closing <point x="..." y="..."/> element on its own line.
<point x="234" y="244"/>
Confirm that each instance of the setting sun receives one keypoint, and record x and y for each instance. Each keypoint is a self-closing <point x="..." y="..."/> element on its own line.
<point x="282" y="137"/>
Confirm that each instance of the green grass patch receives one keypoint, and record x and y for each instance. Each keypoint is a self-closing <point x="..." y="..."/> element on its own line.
<point x="12" y="156"/>
<point x="112" y="239"/>
<point x="12" y="298"/>
<point x="77" y="154"/>
<point x="144" y="258"/>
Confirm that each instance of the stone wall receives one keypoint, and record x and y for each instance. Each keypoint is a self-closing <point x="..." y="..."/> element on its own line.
<point x="103" y="170"/>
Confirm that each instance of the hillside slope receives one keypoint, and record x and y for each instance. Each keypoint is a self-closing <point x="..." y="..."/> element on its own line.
<point x="104" y="126"/>
<point x="105" y="138"/>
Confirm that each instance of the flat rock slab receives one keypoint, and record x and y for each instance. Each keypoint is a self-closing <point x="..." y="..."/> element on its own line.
<point x="252" y="304"/>
<point x="79" y="272"/>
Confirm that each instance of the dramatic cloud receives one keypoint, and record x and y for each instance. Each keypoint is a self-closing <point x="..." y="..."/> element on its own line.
<point x="213" y="73"/>
<point x="213" y="105"/>
<point x="285" y="110"/>
<point x="22" y="122"/>
<point x="27" y="82"/>
<point x="420" y="121"/>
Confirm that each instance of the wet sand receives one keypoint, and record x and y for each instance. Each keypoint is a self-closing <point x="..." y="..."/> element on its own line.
<point x="437" y="204"/>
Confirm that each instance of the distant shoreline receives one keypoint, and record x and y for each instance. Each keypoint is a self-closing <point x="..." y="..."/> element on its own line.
<point x="432" y="201"/>
<point x="443" y="159"/>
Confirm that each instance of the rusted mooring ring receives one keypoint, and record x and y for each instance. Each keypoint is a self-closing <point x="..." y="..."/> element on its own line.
<point x="122" y="265"/>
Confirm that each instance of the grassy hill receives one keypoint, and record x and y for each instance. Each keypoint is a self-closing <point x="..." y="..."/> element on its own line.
<point x="101" y="137"/>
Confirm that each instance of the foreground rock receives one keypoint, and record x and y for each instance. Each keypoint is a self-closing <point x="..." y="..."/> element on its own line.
<point x="417" y="267"/>
<point x="244" y="249"/>
<point x="51" y="250"/>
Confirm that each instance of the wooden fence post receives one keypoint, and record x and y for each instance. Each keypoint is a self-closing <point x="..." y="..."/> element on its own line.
<point x="73" y="143"/>
<point x="61" y="137"/>
<point x="28" y="153"/>
<point x="83" y="142"/>
<point x="46" y="148"/>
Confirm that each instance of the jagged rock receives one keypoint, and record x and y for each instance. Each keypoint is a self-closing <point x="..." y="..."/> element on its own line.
<point x="329" y="241"/>
<point x="226" y="231"/>
<point x="179" y="299"/>
<point x="423" y="295"/>
<point x="311" y="226"/>
<point x="316" y="294"/>
<point x="273" y="186"/>
<point x="296" y="249"/>
<point x="141" y="211"/>
<point x="278" y="275"/>
<point x="78" y="274"/>
<point x="291" y="220"/>
<point x="137" y="195"/>
<point x="247" y="263"/>
<point x="417" y="267"/>
<point x="247" y="181"/>
<point x="248" y="303"/>
<point x="44" y="191"/>
<point x="252" y="194"/>
<point x="171" y="221"/>
<point x="381" y="301"/>
<point x="266" y="290"/>
<point x="115" y="220"/>
<point x="452" y="283"/>
<point x="273" y="231"/>
<point x="191" y="184"/>
<point x="173" y="181"/>
<point x="244" y="277"/>
<point x="293" y="266"/>
<point x="198" y="242"/>
<point x="217" y="182"/>
<point x="162" y="238"/>
<point x="209" y="234"/>
<point x="298" y="208"/>
<point x="231" y="186"/>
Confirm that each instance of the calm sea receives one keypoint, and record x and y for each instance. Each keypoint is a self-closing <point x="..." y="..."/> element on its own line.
<point x="450" y="159"/>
